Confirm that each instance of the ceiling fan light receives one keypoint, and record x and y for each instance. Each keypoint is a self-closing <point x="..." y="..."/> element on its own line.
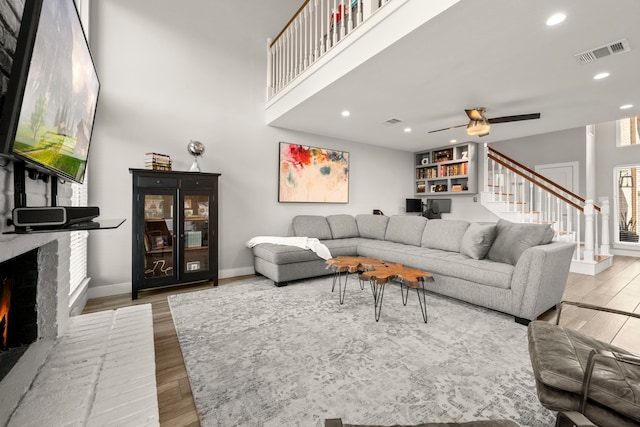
<point x="478" y="127"/>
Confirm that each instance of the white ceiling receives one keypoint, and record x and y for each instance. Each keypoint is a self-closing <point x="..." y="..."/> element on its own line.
<point x="497" y="54"/>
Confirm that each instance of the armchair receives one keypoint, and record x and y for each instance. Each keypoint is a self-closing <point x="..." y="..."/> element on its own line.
<point x="575" y="372"/>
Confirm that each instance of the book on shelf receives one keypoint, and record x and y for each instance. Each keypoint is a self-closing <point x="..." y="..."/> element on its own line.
<point x="194" y="239"/>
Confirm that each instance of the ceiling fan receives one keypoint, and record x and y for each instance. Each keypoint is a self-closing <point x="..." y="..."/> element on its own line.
<point x="479" y="125"/>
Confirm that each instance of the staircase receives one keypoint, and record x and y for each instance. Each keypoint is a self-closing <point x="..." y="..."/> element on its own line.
<point x="518" y="194"/>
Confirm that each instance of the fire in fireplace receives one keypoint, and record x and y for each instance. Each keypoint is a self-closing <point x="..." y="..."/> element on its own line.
<point x="18" y="316"/>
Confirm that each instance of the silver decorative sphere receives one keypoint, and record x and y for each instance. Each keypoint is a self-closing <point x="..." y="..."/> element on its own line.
<point x="196" y="148"/>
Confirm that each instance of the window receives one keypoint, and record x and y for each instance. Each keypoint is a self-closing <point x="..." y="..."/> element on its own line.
<point x="78" y="245"/>
<point x="627" y="206"/>
<point x="628" y="131"/>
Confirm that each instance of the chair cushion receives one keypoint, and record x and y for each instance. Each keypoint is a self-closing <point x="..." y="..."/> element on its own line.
<point x="513" y="239"/>
<point x="559" y="355"/>
<point x="311" y="226"/>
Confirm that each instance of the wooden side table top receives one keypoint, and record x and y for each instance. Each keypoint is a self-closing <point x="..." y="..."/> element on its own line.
<point x="384" y="273"/>
<point x="353" y="264"/>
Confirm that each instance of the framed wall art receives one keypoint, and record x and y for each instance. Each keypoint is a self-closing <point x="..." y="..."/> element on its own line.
<point x="312" y="174"/>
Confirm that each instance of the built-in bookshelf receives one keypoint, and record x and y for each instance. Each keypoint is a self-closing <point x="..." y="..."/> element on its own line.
<point x="446" y="170"/>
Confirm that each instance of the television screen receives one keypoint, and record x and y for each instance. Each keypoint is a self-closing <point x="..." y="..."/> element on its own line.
<point x="49" y="111"/>
<point x="439" y="205"/>
<point x="413" y="205"/>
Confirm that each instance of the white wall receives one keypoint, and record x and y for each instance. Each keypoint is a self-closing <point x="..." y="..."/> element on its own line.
<point x="172" y="72"/>
<point x="547" y="148"/>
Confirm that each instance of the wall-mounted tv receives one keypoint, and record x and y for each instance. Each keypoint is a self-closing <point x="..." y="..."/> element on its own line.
<point x="49" y="109"/>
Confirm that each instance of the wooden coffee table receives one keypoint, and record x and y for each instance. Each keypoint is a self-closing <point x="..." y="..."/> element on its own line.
<point x="409" y="278"/>
<point x="343" y="265"/>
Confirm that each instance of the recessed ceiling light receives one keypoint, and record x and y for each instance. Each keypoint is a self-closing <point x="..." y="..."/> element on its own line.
<point x="407" y="130"/>
<point x="600" y="76"/>
<point x="453" y="141"/>
<point x="346" y="113"/>
<point x="626" y="106"/>
<point x="556" y="19"/>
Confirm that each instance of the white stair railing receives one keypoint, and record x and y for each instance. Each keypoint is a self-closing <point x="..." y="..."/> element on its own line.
<point x="522" y="195"/>
<point x="314" y="29"/>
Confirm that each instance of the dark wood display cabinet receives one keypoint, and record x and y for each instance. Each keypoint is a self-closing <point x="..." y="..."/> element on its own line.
<point x="175" y="228"/>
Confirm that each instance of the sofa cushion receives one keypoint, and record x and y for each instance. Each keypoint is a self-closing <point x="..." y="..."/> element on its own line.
<point x="439" y="262"/>
<point x="372" y="226"/>
<point x="405" y="229"/>
<point x="283" y="254"/>
<point x="344" y="247"/>
<point x="311" y="226"/>
<point x="512" y="239"/>
<point x="444" y="234"/>
<point x="477" y="240"/>
<point x="343" y="226"/>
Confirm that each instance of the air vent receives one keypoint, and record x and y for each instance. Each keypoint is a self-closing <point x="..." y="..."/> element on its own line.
<point x="603" y="51"/>
<point x="392" y="121"/>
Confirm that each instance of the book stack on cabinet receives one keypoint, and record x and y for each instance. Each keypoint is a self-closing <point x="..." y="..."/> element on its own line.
<point x="447" y="170"/>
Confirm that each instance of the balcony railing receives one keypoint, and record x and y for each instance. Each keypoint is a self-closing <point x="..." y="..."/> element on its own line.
<point x="313" y="31"/>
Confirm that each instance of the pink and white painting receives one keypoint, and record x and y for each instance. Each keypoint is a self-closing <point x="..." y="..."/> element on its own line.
<point x="312" y="174"/>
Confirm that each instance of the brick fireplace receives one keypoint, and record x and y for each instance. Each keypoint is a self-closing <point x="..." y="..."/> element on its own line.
<point x="50" y="255"/>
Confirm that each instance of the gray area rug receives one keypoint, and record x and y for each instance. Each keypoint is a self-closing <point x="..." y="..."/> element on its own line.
<point x="257" y="355"/>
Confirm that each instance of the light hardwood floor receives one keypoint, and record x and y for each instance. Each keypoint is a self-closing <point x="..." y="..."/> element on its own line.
<point x="618" y="287"/>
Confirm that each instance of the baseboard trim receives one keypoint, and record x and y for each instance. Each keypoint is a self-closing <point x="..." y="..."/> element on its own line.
<point x="125" y="288"/>
<point x="110" y="290"/>
<point x="235" y="272"/>
<point x="79" y="298"/>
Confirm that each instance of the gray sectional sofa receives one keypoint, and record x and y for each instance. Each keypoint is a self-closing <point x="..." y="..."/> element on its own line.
<point x="513" y="268"/>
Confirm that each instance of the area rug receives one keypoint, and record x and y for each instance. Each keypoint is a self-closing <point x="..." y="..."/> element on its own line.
<point x="258" y="355"/>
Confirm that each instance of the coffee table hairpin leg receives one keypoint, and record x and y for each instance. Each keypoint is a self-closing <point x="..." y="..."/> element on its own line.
<point x="378" y="294"/>
<point x="423" y="300"/>
<point x="342" y="284"/>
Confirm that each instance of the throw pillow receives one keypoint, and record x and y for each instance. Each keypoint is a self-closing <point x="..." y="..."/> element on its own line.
<point x="343" y="226"/>
<point x="311" y="226"/>
<point x="477" y="240"/>
<point x="512" y="239"/>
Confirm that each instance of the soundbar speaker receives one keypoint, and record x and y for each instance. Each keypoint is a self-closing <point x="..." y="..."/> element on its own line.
<point x="53" y="216"/>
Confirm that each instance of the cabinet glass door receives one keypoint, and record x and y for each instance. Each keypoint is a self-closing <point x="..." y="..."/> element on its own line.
<point x="159" y="252"/>
<point x="196" y="233"/>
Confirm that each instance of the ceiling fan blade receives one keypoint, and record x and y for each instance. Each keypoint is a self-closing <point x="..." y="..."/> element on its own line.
<point x="516" y="118"/>
<point x="450" y="127"/>
<point x="476" y="113"/>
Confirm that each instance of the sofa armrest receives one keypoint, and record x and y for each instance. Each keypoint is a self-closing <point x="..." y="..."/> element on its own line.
<point x="539" y="278"/>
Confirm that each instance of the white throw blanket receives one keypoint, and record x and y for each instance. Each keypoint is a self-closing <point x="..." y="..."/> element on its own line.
<point x="301" y="242"/>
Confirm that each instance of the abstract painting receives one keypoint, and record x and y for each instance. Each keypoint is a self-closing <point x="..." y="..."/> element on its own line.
<point x="311" y="174"/>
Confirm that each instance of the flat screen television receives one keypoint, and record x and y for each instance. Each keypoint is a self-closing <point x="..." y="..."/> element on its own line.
<point x="413" y="205"/>
<point x="49" y="108"/>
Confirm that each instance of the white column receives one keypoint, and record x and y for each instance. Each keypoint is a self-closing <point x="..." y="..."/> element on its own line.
<point x="591" y="162"/>
<point x="605" y="246"/>
<point x="485" y="180"/>
<point x="589" y="211"/>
